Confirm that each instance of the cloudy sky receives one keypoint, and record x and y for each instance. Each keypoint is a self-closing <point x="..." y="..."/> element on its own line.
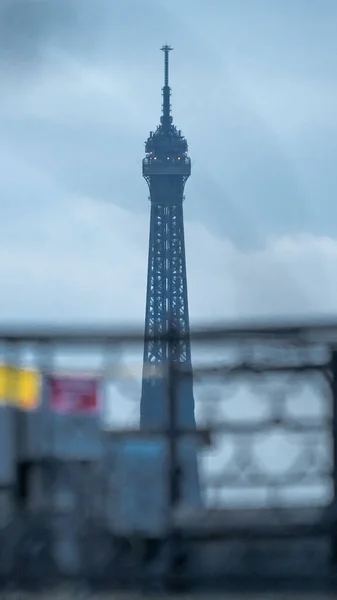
<point x="255" y="92"/>
<point x="254" y="89"/>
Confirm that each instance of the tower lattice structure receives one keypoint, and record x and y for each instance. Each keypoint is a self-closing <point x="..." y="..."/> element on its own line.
<point x="166" y="169"/>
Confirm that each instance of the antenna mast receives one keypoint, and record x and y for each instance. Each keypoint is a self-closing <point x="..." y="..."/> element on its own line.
<point x="166" y="118"/>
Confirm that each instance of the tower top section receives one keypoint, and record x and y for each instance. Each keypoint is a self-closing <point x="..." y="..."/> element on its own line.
<point x="166" y="141"/>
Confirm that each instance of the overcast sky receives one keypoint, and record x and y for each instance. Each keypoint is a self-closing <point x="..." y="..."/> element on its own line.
<point x="254" y="90"/>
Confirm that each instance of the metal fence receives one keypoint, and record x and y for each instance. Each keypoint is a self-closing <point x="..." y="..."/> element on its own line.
<point x="266" y="413"/>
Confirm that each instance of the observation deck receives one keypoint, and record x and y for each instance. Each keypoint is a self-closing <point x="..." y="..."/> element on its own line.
<point x="170" y="165"/>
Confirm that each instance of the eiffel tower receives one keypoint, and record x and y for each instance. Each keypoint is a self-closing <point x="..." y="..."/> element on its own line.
<point x="166" y="169"/>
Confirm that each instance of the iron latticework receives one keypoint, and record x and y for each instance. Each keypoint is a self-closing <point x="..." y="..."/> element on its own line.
<point x="166" y="168"/>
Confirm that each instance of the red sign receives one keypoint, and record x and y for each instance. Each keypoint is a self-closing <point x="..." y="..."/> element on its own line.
<point x="73" y="395"/>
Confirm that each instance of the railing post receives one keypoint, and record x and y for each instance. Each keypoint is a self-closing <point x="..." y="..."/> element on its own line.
<point x="334" y="452"/>
<point x="173" y="461"/>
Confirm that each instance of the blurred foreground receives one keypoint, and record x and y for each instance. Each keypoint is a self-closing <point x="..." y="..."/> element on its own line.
<point x="88" y="500"/>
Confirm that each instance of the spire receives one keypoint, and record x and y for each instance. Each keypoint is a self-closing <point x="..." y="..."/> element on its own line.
<point x="166" y="118"/>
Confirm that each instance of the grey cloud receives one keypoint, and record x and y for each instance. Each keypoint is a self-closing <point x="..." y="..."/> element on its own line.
<point x="245" y="183"/>
<point x="27" y="27"/>
<point x="96" y="30"/>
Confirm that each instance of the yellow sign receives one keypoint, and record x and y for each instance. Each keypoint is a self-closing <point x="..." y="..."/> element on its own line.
<point x="19" y="387"/>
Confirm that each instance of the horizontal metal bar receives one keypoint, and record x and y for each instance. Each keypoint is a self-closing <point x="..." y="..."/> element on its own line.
<point x="234" y="480"/>
<point x="290" y="426"/>
<point x="237" y="370"/>
<point x="263" y="532"/>
<point x="307" y="331"/>
<point x="201" y="434"/>
<point x="120" y="371"/>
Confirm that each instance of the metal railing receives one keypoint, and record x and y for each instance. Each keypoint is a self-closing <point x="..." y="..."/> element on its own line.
<point x="266" y="412"/>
